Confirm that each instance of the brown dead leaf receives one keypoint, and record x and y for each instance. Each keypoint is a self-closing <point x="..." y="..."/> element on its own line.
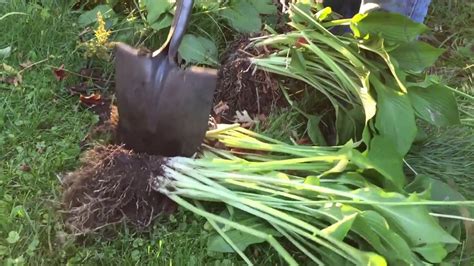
<point x="220" y="108"/>
<point x="91" y="100"/>
<point x="78" y="89"/>
<point x="26" y="64"/>
<point x="25" y="168"/>
<point x="14" y="80"/>
<point x="90" y="73"/>
<point x="59" y="73"/>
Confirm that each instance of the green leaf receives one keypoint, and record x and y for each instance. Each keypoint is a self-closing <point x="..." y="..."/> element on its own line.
<point x="435" y="104"/>
<point x="415" y="56"/>
<point x="164" y="22"/>
<point x="242" y="16"/>
<point x="434" y="253"/>
<point x="13" y="237"/>
<point x="412" y="222"/>
<point x="314" y="132"/>
<point x="350" y="124"/>
<point x="197" y="49"/>
<point x="89" y="17"/>
<point x="374" y="229"/>
<point x="391" y="26"/>
<point x="155" y="9"/>
<point x="266" y="7"/>
<point x="298" y="63"/>
<point x="241" y="240"/>
<point x="386" y="159"/>
<point x="5" y="52"/>
<point x="395" y="118"/>
<point x="340" y="229"/>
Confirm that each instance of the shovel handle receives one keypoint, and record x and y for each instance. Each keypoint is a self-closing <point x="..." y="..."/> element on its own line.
<point x="178" y="27"/>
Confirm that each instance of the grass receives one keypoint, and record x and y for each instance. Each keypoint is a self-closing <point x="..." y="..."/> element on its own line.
<point x="41" y="127"/>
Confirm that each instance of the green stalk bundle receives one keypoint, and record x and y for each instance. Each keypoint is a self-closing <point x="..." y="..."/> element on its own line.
<point x="325" y="201"/>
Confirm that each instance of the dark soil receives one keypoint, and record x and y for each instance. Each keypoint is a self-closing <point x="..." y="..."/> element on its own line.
<point x="113" y="186"/>
<point x="241" y="86"/>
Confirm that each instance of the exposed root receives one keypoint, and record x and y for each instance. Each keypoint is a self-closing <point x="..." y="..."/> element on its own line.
<point x="111" y="187"/>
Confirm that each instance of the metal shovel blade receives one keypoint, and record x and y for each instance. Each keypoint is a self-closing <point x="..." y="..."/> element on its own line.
<point x="163" y="109"/>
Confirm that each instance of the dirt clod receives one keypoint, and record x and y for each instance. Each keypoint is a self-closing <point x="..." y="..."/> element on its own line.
<point x="112" y="186"/>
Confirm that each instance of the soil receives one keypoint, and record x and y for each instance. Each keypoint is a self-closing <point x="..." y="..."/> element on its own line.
<point x="241" y="86"/>
<point x="113" y="186"/>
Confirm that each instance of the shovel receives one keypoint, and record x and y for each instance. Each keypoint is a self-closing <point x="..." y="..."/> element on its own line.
<point x="163" y="109"/>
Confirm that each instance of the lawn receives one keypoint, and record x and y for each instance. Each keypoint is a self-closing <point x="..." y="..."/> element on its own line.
<point x="44" y="129"/>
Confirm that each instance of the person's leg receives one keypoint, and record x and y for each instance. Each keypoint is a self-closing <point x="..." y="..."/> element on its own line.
<point x="414" y="9"/>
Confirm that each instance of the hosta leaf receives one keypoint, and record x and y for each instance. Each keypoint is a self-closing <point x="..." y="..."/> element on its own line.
<point x="374" y="229"/>
<point x="266" y="7"/>
<point x="383" y="154"/>
<point x="395" y="119"/>
<point x="434" y="253"/>
<point x="155" y="9"/>
<point x="350" y="124"/>
<point x="197" y="49"/>
<point x="89" y="17"/>
<point x="241" y="240"/>
<point x="162" y="23"/>
<point x="314" y="132"/>
<point x="242" y="16"/>
<point x="435" y="104"/>
<point x="412" y="222"/>
<point x="416" y="56"/>
<point x="340" y="229"/>
<point x="391" y="26"/>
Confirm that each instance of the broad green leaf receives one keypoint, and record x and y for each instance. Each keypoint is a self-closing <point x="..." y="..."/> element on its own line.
<point x="241" y="240"/>
<point x="340" y="229"/>
<point x="242" y="16"/>
<point x="5" y="52"/>
<point x="395" y="118"/>
<point x="162" y="23"/>
<point x="412" y="222"/>
<point x="350" y="124"/>
<point x="389" y="179"/>
<point x="155" y="9"/>
<point x="384" y="155"/>
<point x="434" y="253"/>
<point x="374" y="229"/>
<point x="435" y="104"/>
<point x="266" y="7"/>
<point x="415" y="56"/>
<point x="314" y="132"/>
<point x="391" y="26"/>
<point x="197" y="49"/>
<point x="89" y="17"/>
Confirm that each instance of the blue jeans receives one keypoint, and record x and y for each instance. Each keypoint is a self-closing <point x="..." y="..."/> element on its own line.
<point x="414" y="9"/>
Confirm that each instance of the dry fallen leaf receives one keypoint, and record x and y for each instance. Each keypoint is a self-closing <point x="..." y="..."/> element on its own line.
<point x="25" y="168"/>
<point x="14" y="80"/>
<point x="220" y="108"/>
<point x="244" y="119"/>
<point x="26" y="64"/>
<point x="80" y="89"/>
<point x="91" y="100"/>
<point x="59" y="73"/>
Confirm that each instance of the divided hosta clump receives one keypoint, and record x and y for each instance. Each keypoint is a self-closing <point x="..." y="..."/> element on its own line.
<point x="326" y="201"/>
